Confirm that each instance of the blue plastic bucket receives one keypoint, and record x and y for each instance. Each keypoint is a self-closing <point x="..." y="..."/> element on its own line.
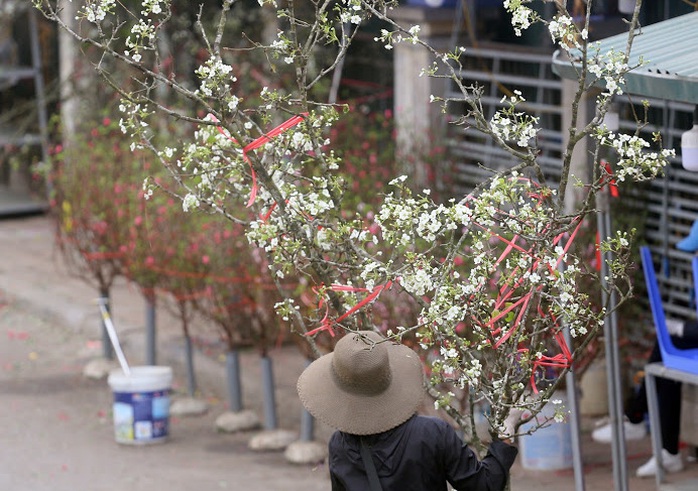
<point x="548" y="448"/>
<point x="141" y="409"/>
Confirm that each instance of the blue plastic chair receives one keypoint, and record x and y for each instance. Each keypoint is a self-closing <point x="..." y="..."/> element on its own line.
<point x="672" y="357"/>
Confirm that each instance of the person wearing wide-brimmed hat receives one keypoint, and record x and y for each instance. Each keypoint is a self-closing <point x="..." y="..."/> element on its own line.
<point x="370" y="389"/>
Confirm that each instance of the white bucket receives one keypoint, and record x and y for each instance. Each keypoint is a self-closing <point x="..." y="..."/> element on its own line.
<point x="141" y="404"/>
<point x="548" y="448"/>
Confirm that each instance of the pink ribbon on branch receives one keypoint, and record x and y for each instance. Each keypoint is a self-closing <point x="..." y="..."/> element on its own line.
<point x="523" y="302"/>
<point x="264" y="217"/>
<point x="258" y="142"/>
<point x="561" y="360"/>
<point x="326" y="323"/>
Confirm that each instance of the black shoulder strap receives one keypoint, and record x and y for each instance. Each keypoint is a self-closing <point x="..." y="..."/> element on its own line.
<point x="373" y="481"/>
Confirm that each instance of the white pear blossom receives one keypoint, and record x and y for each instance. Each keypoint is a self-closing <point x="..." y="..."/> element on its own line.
<point x="521" y="15"/>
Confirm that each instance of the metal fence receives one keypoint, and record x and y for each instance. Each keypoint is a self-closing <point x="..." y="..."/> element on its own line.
<point x="499" y="72"/>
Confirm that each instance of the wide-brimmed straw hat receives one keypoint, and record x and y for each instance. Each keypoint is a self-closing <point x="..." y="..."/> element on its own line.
<point x="367" y="385"/>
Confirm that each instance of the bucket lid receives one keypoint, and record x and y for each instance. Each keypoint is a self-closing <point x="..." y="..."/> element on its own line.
<point x="141" y="379"/>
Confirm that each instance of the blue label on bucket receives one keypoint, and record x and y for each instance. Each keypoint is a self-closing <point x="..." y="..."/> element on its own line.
<point x="141" y="416"/>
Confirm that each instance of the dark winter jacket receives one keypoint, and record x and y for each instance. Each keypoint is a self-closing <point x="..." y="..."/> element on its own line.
<point x="419" y="455"/>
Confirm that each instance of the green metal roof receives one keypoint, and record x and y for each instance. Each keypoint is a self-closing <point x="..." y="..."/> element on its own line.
<point x="670" y="55"/>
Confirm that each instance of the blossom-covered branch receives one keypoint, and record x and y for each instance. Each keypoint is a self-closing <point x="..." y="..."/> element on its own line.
<point x="494" y="273"/>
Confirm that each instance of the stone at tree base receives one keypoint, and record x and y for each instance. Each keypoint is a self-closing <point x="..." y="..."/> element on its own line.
<point x="232" y="422"/>
<point x="188" y="406"/>
<point x="306" y="452"/>
<point x="272" y="440"/>
<point x="99" y="368"/>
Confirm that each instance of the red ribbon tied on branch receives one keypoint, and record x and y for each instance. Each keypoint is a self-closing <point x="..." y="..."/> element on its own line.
<point x="507" y="290"/>
<point x="561" y="360"/>
<point x="505" y="305"/>
<point x="326" y="323"/>
<point x="258" y="142"/>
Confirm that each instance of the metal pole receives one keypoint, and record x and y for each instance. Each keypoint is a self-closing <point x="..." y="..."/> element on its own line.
<point x="307" y="421"/>
<point x="664" y="222"/>
<point x="107" y="349"/>
<point x="620" y="475"/>
<point x="232" y="369"/>
<point x="620" y="413"/>
<point x="655" y="434"/>
<point x="189" y="354"/>
<point x="573" y="404"/>
<point x="150" y="335"/>
<point x="270" y="422"/>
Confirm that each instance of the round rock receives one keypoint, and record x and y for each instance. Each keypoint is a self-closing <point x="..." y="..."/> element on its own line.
<point x="272" y="440"/>
<point x="188" y="406"/>
<point x="232" y="422"/>
<point x="305" y="452"/>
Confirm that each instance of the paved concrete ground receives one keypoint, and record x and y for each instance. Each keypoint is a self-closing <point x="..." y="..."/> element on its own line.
<point x="55" y="425"/>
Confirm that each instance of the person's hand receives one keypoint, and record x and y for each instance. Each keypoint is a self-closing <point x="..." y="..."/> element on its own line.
<point x="510" y="426"/>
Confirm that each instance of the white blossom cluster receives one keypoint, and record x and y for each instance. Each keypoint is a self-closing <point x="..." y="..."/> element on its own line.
<point x="539" y="271"/>
<point x="142" y="34"/>
<point x="634" y="159"/>
<point x="564" y="32"/>
<point x="610" y="67"/>
<point x="419" y="280"/>
<point x="264" y="234"/>
<point x="509" y="125"/>
<point x="213" y="163"/>
<point x="96" y="11"/>
<point x="522" y="16"/>
<point x="216" y="77"/>
<point x="507" y="129"/>
<point x="352" y="13"/>
<point x="405" y="220"/>
<point x="190" y="201"/>
<point x="134" y="121"/>
<point x="372" y="270"/>
<point x="282" y="47"/>
<point x="391" y="38"/>
<point x="472" y="373"/>
<point x="459" y="298"/>
<point x="155" y="7"/>
<point x="561" y="413"/>
<point x="312" y="203"/>
<point x="286" y="308"/>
